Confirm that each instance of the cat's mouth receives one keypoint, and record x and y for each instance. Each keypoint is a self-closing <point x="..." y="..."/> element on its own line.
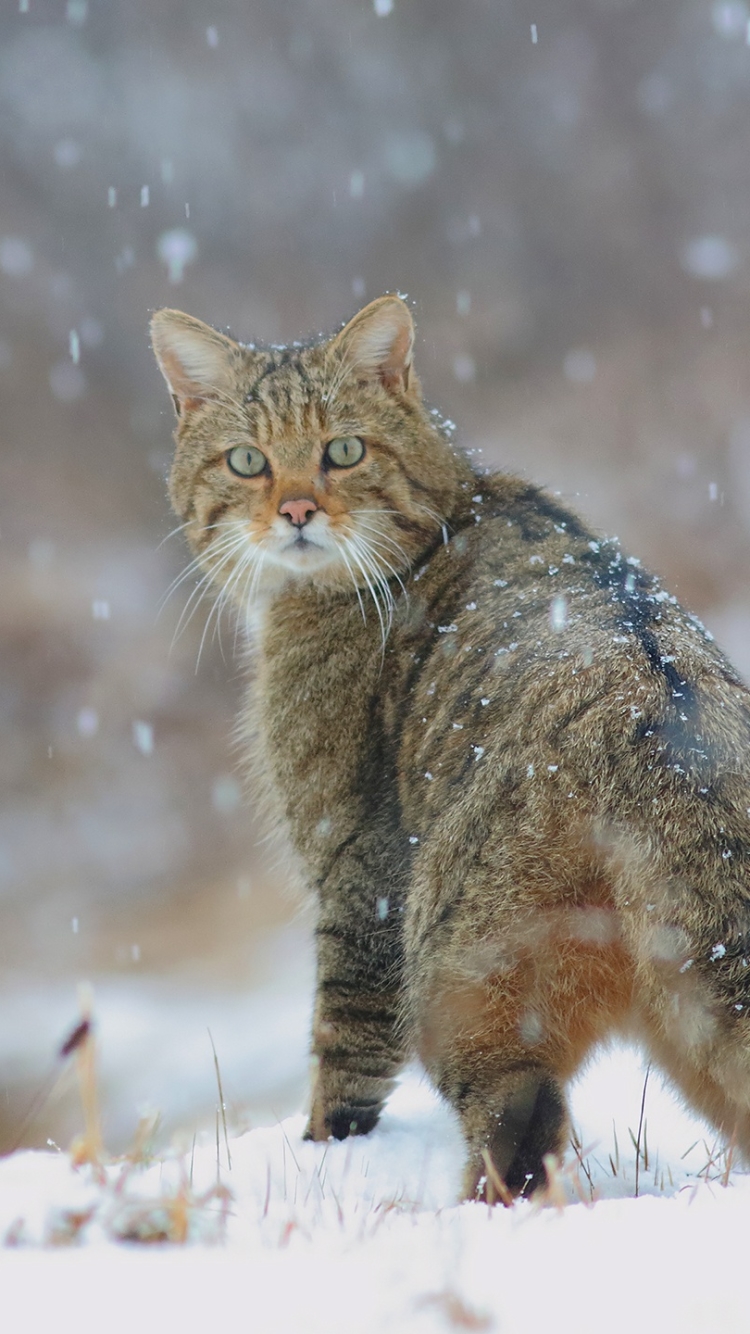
<point x="301" y="552"/>
<point x="303" y="546"/>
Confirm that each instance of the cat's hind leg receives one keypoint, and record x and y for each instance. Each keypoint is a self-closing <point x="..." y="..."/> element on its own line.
<point x="503" y="1023"/>
<point x="511" y="1124"/>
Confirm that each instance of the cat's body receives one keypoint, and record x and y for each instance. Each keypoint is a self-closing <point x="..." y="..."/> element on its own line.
<point x="523" y="804"/>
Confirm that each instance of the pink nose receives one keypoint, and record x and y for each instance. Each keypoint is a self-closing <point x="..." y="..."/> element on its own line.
<point x="298" y="511"/>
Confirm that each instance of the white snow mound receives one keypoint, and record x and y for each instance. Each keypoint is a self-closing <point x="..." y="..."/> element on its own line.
<point x="367" y="1235"/>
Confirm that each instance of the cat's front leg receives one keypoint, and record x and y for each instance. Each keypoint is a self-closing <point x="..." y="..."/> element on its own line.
<point x="357" y="1045"/>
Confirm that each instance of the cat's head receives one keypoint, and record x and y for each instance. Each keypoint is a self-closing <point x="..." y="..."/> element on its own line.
<point x="314" y="462"/>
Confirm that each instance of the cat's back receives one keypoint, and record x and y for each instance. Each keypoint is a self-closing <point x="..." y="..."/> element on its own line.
<point x="546" y="651"/>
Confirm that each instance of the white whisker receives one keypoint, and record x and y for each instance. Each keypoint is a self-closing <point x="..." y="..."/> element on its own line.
<point x="377" y="542"/>
<point x="214" y="549"/>
<point x="371" y="566"/>
<point x="174" y="531"/>
<point x="356" y="557"/>
<point x="432" y="513"/>
<point x="384" y="538"/>
<point x="220" y="603"/>
<point x="201" y="587"/>
<point x="351" y="575"/>
<point x="249" y="568"/>
<point x="252" y="585"/>
<point x="366" y="545"/>
<point x="194" y="567"/>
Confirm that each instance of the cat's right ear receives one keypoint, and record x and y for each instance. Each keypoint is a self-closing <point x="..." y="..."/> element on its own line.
<point x="195" y="360"/>
<point x="378" y="344"/>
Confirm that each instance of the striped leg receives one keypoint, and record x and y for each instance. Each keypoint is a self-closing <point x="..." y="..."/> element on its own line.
<point x="357" y="1048"/>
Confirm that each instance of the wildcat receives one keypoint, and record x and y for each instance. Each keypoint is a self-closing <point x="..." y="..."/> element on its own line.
<point x="514" y="771"/>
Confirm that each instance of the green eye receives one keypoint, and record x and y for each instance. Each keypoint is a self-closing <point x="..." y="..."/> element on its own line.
<point x="246" y="461"/>
<point x="344" y="451"/>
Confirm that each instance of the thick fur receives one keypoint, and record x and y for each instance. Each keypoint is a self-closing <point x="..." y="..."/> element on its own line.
<point x="526" y="815"/>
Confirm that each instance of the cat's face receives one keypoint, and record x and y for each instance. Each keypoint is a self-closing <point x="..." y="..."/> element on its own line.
<point x="305" y="463"/>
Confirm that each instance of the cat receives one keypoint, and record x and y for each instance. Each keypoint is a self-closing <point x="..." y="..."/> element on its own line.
<point x="515" y="772"/>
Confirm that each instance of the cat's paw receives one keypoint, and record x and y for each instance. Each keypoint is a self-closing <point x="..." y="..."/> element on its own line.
<point x="341" y="1122"/>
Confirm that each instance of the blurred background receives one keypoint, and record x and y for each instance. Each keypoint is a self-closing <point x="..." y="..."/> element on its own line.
<point x="562" y="187"/>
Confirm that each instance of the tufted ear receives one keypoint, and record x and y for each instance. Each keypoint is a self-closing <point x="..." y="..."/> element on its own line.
<point x="378" y="344"/>
<point x="195" y="360"/>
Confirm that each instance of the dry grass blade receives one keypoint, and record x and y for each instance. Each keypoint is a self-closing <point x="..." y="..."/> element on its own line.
<point x="729" y="1160"/>
<point x="222" y="1105"/>
<point x="555" y="1192"/>
<point x="582" y="1163"/>
<point x="88" y="1147"/>
<point x="640" y="1130"/>
<point x="67" y="1048"/>
<point x="140" y="1150"/>
<point x="496" y="1187"/>
<point x="35" y="1106"/>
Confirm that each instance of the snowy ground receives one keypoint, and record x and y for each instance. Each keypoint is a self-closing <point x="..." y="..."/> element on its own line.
<point x="366" y="1236"/>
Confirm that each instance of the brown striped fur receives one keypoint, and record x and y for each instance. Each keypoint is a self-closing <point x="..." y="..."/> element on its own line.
<point x="523" y="805"/>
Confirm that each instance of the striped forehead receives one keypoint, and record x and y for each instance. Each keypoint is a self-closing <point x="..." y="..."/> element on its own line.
<point x="284" y="396"/>
<point x="284" y="381"/>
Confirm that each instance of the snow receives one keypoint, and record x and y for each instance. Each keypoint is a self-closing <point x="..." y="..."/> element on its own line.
<point x="710" y="257"/>
<point x="177" y="248"/>
<point x="367" y="1235"/>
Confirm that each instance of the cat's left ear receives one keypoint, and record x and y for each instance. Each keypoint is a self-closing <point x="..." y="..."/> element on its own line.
<point x="379" y="344"/>
<point x="196" y="361"/>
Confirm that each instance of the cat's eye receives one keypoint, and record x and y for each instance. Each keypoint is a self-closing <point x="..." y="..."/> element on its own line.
<point x="246" y="461"/>
<point x="344" y="451"/>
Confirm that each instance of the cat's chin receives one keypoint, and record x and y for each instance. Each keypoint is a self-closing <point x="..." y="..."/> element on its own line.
<point x="303" y="558"/>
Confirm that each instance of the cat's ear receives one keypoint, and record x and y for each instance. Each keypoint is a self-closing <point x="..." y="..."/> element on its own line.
<point x="379" y="343"/>
<point x="195" y="360"/>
